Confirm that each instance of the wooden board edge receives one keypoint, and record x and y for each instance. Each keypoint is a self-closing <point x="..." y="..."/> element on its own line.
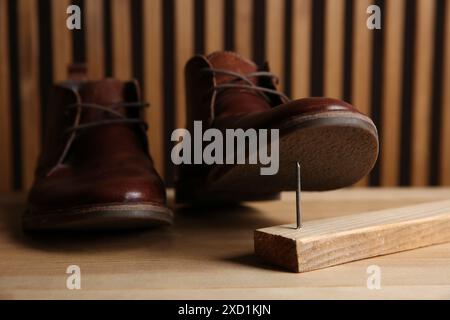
<point x="308" y="254"/>
<point x="286" y="258"/>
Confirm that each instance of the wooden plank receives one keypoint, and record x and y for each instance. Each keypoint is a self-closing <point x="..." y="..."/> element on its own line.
<point x="28" y="43"/>
<point x="392" y="91"/>
<point x="274" y="39"/>
<point x="62" y="40"/>
<point x="328" y="242"/>
<point x="445" y="124"/>
<point x="334" y="48"/>
<point x="243" y="27"/>
<point x="214" y="25"/>
<point x="153" y="75"/>
<point x="362" y="62"/>
<point x="422" y="91"/>
<point x="301" y="48"/>
<point x="184" y="46"/>
<point x="94" y="39"/>
<point x="121" y="32"/>
<point x="6" y="168"/>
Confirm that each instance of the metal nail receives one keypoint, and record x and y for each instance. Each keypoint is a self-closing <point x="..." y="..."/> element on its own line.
<point x="298" y="198"/>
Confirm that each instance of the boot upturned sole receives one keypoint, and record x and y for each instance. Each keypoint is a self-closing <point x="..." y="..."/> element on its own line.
<point x="334" y="149"/>
<point x="98" y="217"/>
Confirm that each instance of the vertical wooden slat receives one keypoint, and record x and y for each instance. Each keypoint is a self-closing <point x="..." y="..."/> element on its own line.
<point x="362" y="61"/>
<point x="5" y="103"/>
<point x="392" y="91"/>
<point x="301" y="46"/>
<point x="153" y="74"/>
<point x="422" y="90"/>
<point x="334" y="47"/>
<point x="184" y="48"/>
<point x="94" y="39"/>
<point x="28" y="43"/>
<point x="62" y="40"/>
<point x="274" y="39"/>
<point x="445" y="124"/>
<point x="214" y="25"/>
<point x="243" y="27"/>
<point x="121" y="33"/>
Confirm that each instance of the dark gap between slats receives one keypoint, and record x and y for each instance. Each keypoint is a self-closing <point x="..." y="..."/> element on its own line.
<point x="199" y="26"/>
<point x="317" y="47"/>
<point x="79" y="37"/>
<point x="107" y="38"/>
<point x="377" y="88"/>
<point x="348" y="54"/>
<point x="45" y="59"/>
<point x="15" y="95"/>
<point x="137" y="41"/>
<point x="408" y="74"/>
<point x="229" y="23"/>
<point x="288" y="47"/>
<point x="436" y="101"/>
<point x="169" y="84"/>
<point x="259" y="32"/>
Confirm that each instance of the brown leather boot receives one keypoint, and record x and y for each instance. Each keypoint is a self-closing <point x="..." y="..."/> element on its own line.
<point x="334" y="143"/>
<point x="95" y="170"/>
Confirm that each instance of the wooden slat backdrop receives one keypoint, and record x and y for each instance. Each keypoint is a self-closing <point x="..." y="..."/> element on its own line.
<point x="28" y="42"/>
<point x="274" y="40"/>
<point x="334" y="48"/>
<point x="152" y="40"/>
<point x="445" y="127"/>
<point x="243" y="29"/>
<point x="184" y="49"/>
<point x="153" y="75"/>
<point x="301" y="52"/>
<point x="5" y="113"/>
<point x="422" y="89"/>
<point x="121" y="29"/>
<point x="362" y="59"/>
<point x="94" y="39"/>
<point x="392" y="92"/>
<point x="214" y="25"/>
<point x="62" y="53"/>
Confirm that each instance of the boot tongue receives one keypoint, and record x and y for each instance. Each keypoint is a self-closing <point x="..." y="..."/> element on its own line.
<point x="107" y="92"/>
<point x="104" y="92"/>
<point x="231" y="61"/>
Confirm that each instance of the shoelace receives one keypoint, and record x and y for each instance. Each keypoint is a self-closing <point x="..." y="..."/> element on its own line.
<point x="249" y="85"/>
<point x="111" y="109"/>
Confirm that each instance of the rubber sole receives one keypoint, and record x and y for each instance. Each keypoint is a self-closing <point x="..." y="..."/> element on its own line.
<point x="334" y="149"/>
<point x="106" y="217"/>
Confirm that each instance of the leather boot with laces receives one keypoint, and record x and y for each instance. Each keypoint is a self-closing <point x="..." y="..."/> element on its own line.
<point x="335" y="144"/>
<point x="95" y="171"/>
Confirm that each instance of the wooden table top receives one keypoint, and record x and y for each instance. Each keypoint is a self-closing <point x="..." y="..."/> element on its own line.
<point x="208" y="254"/>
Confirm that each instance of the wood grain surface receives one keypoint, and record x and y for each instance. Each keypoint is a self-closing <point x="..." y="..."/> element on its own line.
<point x="209" y="254"/>
<point x="328" y="242"/>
